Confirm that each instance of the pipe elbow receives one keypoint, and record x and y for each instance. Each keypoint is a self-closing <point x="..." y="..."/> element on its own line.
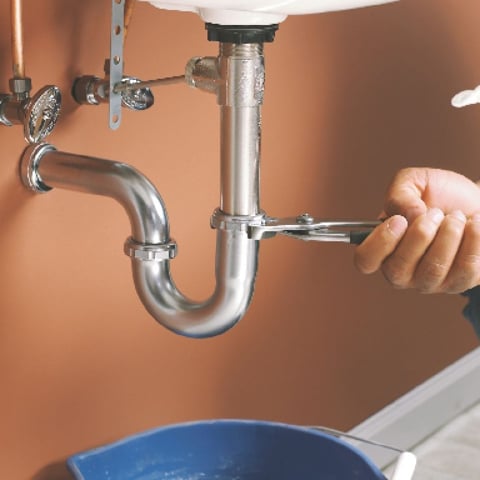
<point x="236" y="267"/>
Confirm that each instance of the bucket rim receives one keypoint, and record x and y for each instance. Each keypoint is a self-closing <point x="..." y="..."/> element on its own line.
<point x="75" y="459"/>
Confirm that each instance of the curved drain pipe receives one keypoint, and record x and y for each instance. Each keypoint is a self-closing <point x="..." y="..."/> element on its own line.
<point x="150" y="246"/>
<point x="237" y="77"/>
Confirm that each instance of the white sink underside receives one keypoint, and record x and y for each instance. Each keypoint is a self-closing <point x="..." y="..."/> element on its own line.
<point x="258" y="12"/>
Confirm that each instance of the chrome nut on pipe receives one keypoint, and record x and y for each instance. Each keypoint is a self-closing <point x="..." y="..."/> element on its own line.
<point x="150" y="252"/>
<point x="89" y="90"/>
<point x="240" y="223"/>
<point x="20" y="87"/>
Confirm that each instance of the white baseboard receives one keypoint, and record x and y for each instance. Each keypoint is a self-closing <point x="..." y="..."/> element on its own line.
<point x="422" y="411"/>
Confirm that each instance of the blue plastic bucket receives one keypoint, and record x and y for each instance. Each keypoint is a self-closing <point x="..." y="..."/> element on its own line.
<point x="226" y="450"/>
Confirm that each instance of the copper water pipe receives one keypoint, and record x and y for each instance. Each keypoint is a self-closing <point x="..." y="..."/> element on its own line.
<point x="17" y="39"/>
<point x="129" y="7"/>
<point x="38" y="113"/>
<point x="17" y="33"/>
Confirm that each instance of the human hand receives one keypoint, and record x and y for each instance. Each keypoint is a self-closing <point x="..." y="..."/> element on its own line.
<point x="431" y="238"/>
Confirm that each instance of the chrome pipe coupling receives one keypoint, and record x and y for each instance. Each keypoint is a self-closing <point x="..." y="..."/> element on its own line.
<point x="242" y="65"/>
<point x="203" y="73"/>
<point x="90" y="90"/>
<point x="240" y="223"/>
<point x="150" y="252"/>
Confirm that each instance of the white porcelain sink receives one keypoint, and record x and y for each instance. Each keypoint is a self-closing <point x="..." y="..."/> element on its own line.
<point x="258" y="12"/>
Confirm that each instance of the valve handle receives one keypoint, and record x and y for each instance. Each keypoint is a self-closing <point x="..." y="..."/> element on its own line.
<point x="41" y="113"/>
<point x="135" y="97"/>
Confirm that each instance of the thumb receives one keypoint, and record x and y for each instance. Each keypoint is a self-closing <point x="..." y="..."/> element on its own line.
<point x="404" y="196"/>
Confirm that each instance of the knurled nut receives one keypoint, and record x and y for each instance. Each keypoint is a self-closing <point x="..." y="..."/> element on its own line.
<point x="223" y="221"/>
<point x="20" y="85"/>
<point x="150" y="252"/>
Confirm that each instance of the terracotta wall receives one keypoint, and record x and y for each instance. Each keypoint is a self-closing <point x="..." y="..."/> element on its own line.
<point x="351" y="97"/>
